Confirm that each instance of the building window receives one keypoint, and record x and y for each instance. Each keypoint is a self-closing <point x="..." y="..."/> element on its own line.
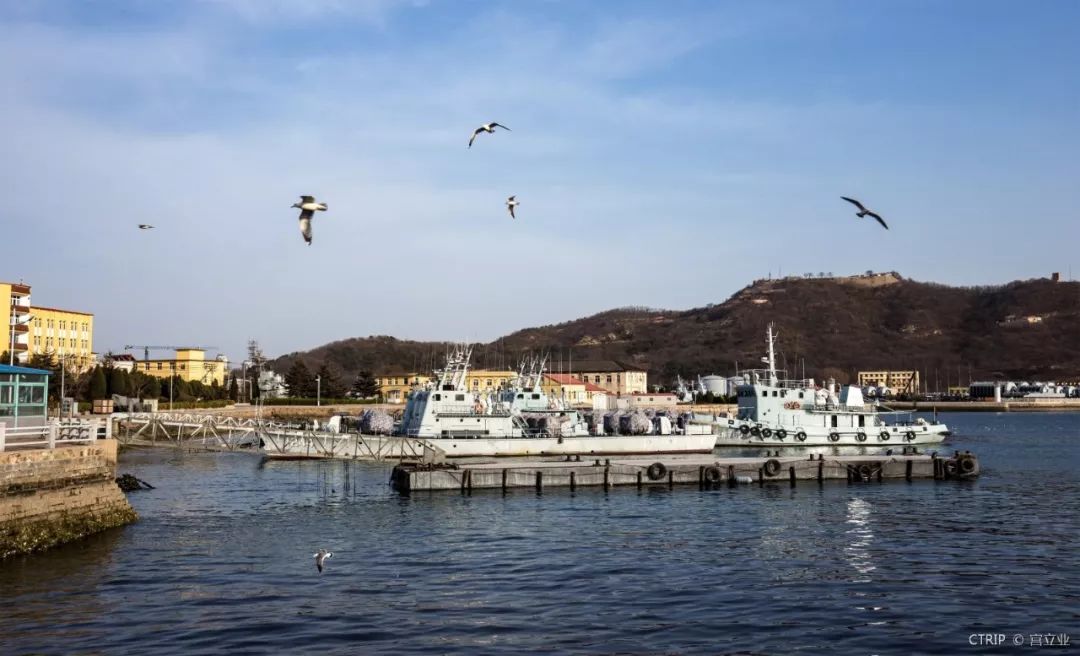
<point x="158" y="366"/>
<point x="598" y="380"/>
<point x="609" y="378"/>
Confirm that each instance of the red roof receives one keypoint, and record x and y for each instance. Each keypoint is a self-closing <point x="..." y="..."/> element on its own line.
<point x="570" y="379"/>
<point x="564" y="379"/>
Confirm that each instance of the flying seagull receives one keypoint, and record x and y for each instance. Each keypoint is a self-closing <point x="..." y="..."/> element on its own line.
<point x="487" y="127"/>
<point x="865" y="212"/>
<point x="321" y="557"/>
<point x="307" y="207"/>
<point x="511" y="203"/>
<point x="145" y="226"/>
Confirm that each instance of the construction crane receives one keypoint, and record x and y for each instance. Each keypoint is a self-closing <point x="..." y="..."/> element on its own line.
<point x="146" y="349"/>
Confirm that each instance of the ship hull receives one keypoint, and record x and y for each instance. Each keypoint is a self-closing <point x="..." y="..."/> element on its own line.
<point x="892" y="436"/>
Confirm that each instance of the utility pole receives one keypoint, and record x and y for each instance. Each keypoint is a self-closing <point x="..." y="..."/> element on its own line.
<point x="318" y="390"/>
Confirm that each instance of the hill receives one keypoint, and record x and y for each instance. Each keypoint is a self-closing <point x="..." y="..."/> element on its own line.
<point x="831" y="326"/>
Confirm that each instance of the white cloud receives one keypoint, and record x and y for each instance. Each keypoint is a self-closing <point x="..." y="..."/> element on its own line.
<point x="212" y="143"/>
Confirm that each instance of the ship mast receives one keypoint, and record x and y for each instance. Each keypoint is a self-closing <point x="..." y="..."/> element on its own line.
<point x="772" y="356"/>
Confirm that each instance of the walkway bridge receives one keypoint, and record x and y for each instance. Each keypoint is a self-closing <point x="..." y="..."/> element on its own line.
<point x="209" y="432"/>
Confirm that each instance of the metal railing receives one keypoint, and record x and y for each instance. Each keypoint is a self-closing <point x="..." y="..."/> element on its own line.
<point x="52" y="434"/>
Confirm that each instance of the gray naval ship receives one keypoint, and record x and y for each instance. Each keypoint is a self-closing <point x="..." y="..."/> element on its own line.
<point x="774" y="411"/>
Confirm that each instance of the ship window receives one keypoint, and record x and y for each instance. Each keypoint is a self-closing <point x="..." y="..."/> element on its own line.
<point x="521" y="396"/>
<point x="800" y="395"/>
<point x="536" y="396"/>
<point x="438" y="397"/>
<point x="774" y="392"/>
<point x="834" y="421"/>
<point x="764" y="392"/>
<point x="862" y="421"/>
<point x="459" y="397"/>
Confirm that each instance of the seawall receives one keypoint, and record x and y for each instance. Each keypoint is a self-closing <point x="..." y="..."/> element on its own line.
<point x="52" y="496"/>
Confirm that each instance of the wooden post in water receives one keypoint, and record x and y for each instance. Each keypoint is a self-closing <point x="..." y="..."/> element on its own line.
<point x="907" y="471"/>
<point x="572" y="482"/>
<point x="607" y="469"/>
<point x="504" y="479"/>
<point x="791" y="475"/>
<point x="731" y="476"/>
<point x="539" y="480"/>
<point x="639" y="479"/>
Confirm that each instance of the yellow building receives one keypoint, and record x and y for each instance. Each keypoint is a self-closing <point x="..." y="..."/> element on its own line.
<point x="897" y="381"/>
<point x="488" y="380"/>
<point x="66" y="335"/>
<point x="190" y="364"/>
<point x="614" y="377"/>
<point x="395" y="388"/>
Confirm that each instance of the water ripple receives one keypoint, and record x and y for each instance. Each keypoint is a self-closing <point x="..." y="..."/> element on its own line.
<point x="221" y="562"/>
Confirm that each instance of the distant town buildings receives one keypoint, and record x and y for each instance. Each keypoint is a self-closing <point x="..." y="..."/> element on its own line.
<point x="395" y="387"/>
<point x="594" y="377"/>
<point x="272" y="385"/>
<point x="190" y="364"/>
<point x="30" y="330"/>
<point x="897" y="382"/>
<point x="615" y="377"/>
<point x="122" y="361"/>
<point x="1008" y="389"/>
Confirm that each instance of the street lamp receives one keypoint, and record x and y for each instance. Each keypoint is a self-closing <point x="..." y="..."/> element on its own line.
<point x="245" y="364"/>
<point x="318" y="390"/>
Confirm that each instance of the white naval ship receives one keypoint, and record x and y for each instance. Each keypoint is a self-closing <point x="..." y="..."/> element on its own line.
<point x="778" y="412"/>
<point x="519" y="421"/>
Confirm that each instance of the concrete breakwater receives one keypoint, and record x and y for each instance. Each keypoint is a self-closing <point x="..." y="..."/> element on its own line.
<point x="1012" y="405"/>
<point x="52" y="496"/>
<point x="704" y="471"/>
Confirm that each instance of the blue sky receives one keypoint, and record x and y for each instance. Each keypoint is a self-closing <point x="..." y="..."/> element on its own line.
<point x="664" y="154"/>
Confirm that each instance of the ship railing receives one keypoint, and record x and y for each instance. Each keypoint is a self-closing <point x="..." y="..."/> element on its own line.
<point x="839" y="407"/>
<point x="762" y="377"/>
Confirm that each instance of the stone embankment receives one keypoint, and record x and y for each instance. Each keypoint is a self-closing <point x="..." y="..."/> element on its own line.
<point x="52" y="496"/>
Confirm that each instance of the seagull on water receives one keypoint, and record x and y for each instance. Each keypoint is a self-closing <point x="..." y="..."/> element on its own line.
<point x="865" y="212"/>
<point x="487" y="127"/>
<point x="511" y="203"/>
<point x="145" y="226"/>
<point x="307" y="207"/>
<point x="321" y="557"/>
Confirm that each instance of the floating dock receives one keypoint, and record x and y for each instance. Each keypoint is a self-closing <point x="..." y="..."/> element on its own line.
<point x="703" y="471"/>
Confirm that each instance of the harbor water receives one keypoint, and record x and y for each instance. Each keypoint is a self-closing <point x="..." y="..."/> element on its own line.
<point x="221" y="562"/>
